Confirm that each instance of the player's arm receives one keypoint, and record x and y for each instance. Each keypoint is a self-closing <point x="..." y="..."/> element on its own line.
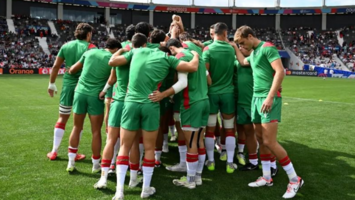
<point x="52" y="88"/>
<point x="117" y="59"/>
<point x="157" y="96"/>
<point x="240" y="57"/>
<point x="209" y="79"/>
<point x="276" y="85"/>
<point x="191" y="66"/>
<point x="76" y="67"/>
<point x="111" y="80"/>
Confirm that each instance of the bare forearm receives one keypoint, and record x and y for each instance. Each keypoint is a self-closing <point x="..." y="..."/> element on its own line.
<point x="240" y="56"/>
<point x="276" y="84"/>
<point x="168" y="92"/>
<point x="54" y="74"/>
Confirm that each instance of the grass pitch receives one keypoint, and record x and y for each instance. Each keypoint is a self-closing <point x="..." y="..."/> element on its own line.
<point x="317" y="130"/>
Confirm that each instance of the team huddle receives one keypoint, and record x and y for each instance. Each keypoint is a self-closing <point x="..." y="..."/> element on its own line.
<point x="154" y="81"/>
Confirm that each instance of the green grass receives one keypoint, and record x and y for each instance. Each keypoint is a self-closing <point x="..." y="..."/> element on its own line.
<point x="318" y="135"/>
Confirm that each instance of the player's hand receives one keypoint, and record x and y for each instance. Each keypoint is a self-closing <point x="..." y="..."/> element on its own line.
<point x="266" y="107"/>
<point x="52" y="89"/>
<point x="102" y="95"/>
<point x="156" y="96"/>
<point x="233" y="44"/>
<point x="195" y="53"/>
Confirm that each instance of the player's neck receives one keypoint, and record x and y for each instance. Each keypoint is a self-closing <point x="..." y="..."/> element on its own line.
<point x="219" y="38"/>
<point x="256" y="43"/>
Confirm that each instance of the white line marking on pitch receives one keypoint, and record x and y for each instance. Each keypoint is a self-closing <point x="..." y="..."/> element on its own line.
<point x="315" y="100"/>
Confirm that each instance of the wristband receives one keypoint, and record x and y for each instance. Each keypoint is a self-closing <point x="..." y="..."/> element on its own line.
<point x="107" y="86"/>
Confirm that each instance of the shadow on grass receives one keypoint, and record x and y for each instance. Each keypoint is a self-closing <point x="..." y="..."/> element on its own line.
<point x="327" y="175"/>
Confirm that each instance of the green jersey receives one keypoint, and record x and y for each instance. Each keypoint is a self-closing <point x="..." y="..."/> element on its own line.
<point x="192" y="47"/>
<point x="196" y="89"/>
<point x="126" y="44"/>
<point x="122" y="74"/>
<point x="153" y="45"/>
<point x="208" y="42"/>
<point x="243" y="83"/>
<point x="220" y="56"/>
<point x="95" y="72"/>
<point x="148" y="68"/>
<point x="71" y="52"/>
<point x="260" y="60"/>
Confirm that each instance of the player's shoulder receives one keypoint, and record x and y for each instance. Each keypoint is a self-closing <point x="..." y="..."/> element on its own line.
<point x="268" y="46"/>
<point x="183" y="54"/>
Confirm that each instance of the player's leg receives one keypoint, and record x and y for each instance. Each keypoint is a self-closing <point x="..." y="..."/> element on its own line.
<point x="222" y="139"/>
<point x="211" y="126"/>
<point x="65" y="107"/>
<point x="134" y="160"/>
<point x="269" y="136"/>
<point x="159" y="143"/>
<point x="150" y="119"/>
<point x="181" y="166"/>
<point x="217" y="135"/>
<point x="80" y="107"/>
<point x="110" y="151"/>
<point x="251" y="144"/>
<point x="273" y="165"/>
<point x="228" y="112"/>
<point x="107" y="111"/>
<point x="130" y="123"/>
<point x="241" y="145"/>
<point x="165" y="128"/>
<point x="74" y="140"/>
<point x="96" y="110"/>
<point x="191" y="135"/>
<point x="172" y="127"/>
<point x="169" y="116"/>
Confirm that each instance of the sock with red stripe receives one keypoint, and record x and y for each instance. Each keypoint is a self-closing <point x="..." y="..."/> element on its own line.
<point x="265" y="162"/>
<point x="72" y="154"/>
<point x="288" y="167"/>
<point x="209" y="143"/>
<point x="201" y="161"/>
<point x="192" y="162"/>
<point x="121" y="170"/>
<point x="96" y="159"/>
<point x="157" y="154"/>
<point x="148" y="169"/>
<point x="105" y="166"/>
<point x="273" y="162"/>
<point x="133" y="171"/>
<point x="182" y="151"/>
<point x="253" y="158"/>
<point x="58" y="135"/>
<point x="230" y="145"/>
<point x="241" y="145"/>
<point x="115" y="151"/>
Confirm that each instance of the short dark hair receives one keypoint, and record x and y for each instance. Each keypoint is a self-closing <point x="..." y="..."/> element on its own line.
<point x="157" y="36"/>
<point x="130" y="31"/>
<point x="212" y="26"/>
<point x="138" y="40"/>
<point x="82" y="31"/>
<point x="165" y="49"/>
<point x="144" y="28"/>
<point x="173" y="42"/>
<point x="243" y="32"/>
<point x="220" y="27"/>
<point x="112" y="43"/>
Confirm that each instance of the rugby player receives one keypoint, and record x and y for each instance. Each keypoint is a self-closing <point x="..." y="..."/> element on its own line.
<point x="69" y="53"/>
<point x="268" y="74"/>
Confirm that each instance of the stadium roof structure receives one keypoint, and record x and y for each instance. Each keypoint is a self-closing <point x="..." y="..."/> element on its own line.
<point x="206" y="9"/>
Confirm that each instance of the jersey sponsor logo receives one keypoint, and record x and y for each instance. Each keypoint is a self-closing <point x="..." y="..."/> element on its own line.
<point x="180" y="55"/>
<point x="268" y="44"/>
<point x="205" y="49"/>
<point x="91" y="46"/>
